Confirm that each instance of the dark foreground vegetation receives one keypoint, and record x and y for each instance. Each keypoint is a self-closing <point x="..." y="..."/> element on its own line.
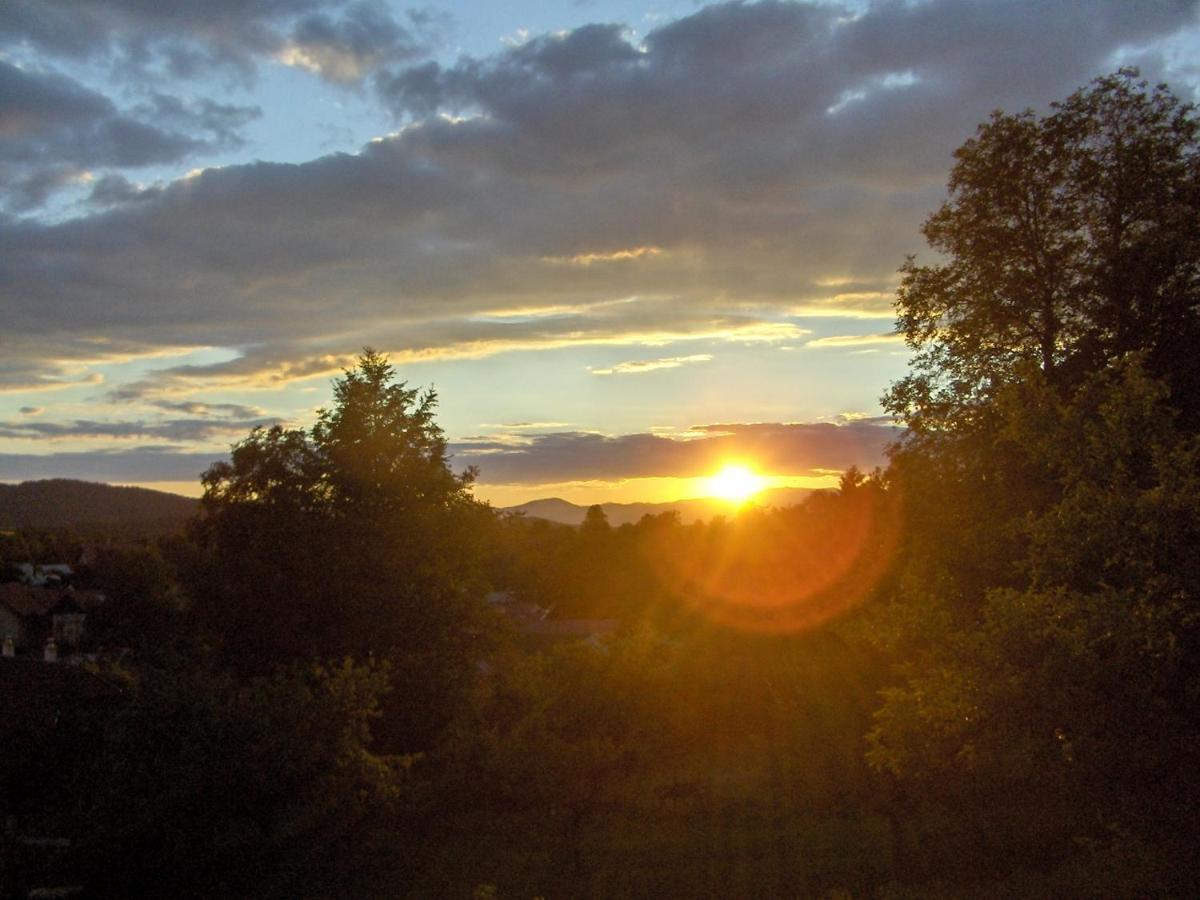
<point x="975" y="673"/>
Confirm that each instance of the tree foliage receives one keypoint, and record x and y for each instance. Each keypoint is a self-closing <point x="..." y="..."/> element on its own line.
<point x="203" y="786"/>
<point x="1045" y="608"/>
<point x="1069" y="240"/>
<point x="352" y="538"/>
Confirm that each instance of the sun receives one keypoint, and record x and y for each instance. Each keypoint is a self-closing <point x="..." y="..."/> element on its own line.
<point x="736" y="483"/>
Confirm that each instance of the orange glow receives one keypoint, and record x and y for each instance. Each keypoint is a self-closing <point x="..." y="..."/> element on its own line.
<point x="783" y="571"/>
<point x="736" y="483"/>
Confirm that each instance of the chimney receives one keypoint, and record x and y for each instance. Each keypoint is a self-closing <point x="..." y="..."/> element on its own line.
<point x="50" y="654"/>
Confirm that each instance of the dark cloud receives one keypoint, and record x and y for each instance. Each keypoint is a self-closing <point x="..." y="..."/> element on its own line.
<point x="113" y="189"/>
<point x="178" y="430"/>
<point x="183" y="39"/>
<point x="544" y="458"/>
<point x="221" y="122"/>
<point x="49" y="117"/>
<point x="200" y="408"/>
<point x="54" y="131"/>
<point x="22" y="371"/>
<point x="147" y="464"/>
<point x="29" y="190"/>
<point x="345" y="50"/>
<point x="737" y="166"/>
<point x="784" y="449"/>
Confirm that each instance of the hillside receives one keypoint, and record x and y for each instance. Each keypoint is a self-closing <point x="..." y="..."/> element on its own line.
<point x="61" y="502"/>
<point x="696" y="509"/>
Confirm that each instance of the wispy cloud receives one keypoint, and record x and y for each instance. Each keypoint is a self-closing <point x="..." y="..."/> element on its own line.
<point x="522" y="425"/>
<point x="178" y="430"/>
<point x="588" y="259"/>
<point x="856" y="340"/>
<point x="640" y="366"/>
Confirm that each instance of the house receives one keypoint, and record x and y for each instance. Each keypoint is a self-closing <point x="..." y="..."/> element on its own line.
<point x="537" y="631"/>
<point x="49" y="574"/>
<point x="31" y="616"/>
<point x="520" y="612"/>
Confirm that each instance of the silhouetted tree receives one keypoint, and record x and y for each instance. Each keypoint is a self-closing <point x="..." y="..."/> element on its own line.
<point x="354" y="538"/>
<point x="203" y="786"/>
<point x="1069" y="240"/>
<point x="1044" y="605"/>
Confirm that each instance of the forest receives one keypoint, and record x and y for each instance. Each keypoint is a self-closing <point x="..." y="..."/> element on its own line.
<point x="972" y="673"/>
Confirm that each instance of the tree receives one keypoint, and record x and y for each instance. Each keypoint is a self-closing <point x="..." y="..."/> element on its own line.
<point x="1069" y="241"/>
<point x="1043" y="612"/>
<point x="199" y="786"/>
<point x="142" y="609"/>
<point x="352" y="538"/>
<point x="595" y="522"/>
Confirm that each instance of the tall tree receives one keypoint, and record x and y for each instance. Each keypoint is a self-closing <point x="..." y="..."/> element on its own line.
<point x="1068" y="241"/>
<point x="353" y="538"/>
<point x="1045" y="606"/>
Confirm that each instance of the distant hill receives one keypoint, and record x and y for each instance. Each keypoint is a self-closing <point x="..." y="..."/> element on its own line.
<point x="65" y="503"/>
<point x="62" y="503"/>
<point x="695" y="510"/>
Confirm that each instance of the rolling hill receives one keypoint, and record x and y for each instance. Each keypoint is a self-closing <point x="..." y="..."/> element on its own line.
<point x="697" y="509"/>
<point x="62" y="503"/>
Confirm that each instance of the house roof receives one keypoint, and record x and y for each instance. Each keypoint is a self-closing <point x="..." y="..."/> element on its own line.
<point x="24" y="600"/>
<point x="580" y="628"/>
<point x="28" y="601"/>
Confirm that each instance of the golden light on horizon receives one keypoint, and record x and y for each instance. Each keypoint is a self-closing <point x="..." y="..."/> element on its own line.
<point x="736" y="483"/>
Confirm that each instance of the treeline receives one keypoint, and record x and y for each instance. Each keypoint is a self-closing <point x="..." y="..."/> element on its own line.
<point x="974" y="673"/>
<point x="306" y="694"/>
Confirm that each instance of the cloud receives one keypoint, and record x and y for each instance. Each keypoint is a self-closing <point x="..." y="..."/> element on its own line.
<point x="777" y="448"/>
<point x="182" y="39"/>
<point x="346" y="50"/>
<point x="140" y="466"/>
<point x="530" y="179"/>
<point x="222" y="122"/>
<point x="176" y="430"/>
<point x="47" y="115"/>
<point x="268" y="367"/>
<point x="856" y="340"/>
<point x="18" y="376"/>
<point x="114" y="189"/>
<point x="587" y="259"/>
<point x="638" y="366"/>
<point x="516" y="425"/>
<point x="200" y="408"/>
<point x="54" y="131"/>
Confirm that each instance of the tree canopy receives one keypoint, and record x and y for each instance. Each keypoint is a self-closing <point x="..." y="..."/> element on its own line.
<point x="1045" y="603"/>
<point x="1068" y="241"/>
<point x="354" y="537"/>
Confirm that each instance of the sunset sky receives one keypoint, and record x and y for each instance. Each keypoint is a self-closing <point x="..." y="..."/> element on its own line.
<point x="625" y="241"/>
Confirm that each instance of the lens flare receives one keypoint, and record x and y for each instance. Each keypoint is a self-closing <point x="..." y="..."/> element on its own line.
<point x="784" y="571"/>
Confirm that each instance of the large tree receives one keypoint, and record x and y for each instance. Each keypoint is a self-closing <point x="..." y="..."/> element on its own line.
<point x="1067" y="241"/>
<point x="1045" y="605"/>
<point x="352" y="538"/>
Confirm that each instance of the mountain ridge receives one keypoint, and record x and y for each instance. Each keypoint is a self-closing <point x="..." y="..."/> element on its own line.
<point x="68" y="502"/>
<point x="694" y="509"/>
